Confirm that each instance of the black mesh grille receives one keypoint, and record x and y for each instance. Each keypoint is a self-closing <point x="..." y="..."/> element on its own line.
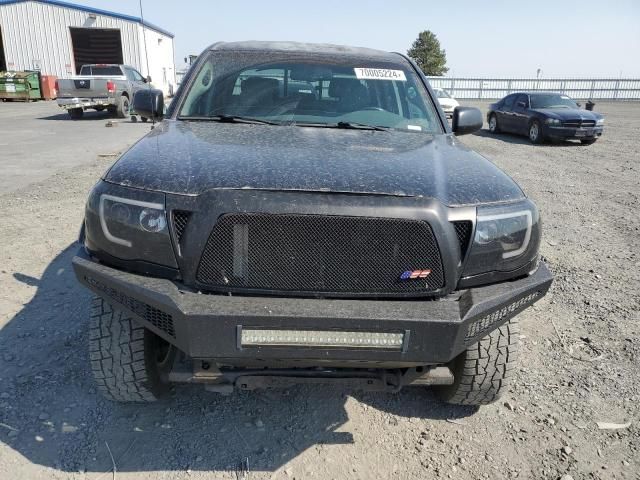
<point x="180" y="220"/>
<point x="463" y="231"/>
<point x="318" y="254"/>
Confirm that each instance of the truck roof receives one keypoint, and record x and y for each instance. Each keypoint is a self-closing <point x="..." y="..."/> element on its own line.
<point x="299" y="47"/>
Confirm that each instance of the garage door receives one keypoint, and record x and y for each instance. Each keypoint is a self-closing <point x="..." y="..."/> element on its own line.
<point x="96" y="45"/>
<point x="3" y="63"/>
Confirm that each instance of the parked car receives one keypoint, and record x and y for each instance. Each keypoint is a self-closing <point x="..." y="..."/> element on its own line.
<point x="446" y="101"/>
<point x="263" y="235"/>
<point x="100" y="87"/>
<point x="543" y="116"/>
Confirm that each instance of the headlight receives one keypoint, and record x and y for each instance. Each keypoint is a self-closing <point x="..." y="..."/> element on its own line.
<point x="506" y="238"/>
<point x="128" y="224"/>
<point x="554" y="122"/>
<point x="600" y="121"/>
<point x="125" y="214"/>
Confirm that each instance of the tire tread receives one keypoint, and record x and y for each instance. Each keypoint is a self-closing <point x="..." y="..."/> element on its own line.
<point x="485" y="369"/>
<point x="116" y="351"/>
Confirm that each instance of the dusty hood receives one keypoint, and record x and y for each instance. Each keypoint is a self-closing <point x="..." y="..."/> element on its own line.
<point x="192" y="157"/>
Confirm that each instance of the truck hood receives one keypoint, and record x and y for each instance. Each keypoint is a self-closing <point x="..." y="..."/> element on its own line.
<point x="189" y="158"/>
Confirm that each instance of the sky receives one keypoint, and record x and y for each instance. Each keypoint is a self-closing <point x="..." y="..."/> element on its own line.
<point x="585" y="38"/>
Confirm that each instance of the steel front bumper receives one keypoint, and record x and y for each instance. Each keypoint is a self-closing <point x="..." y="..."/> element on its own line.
<point x="209" y="326"/>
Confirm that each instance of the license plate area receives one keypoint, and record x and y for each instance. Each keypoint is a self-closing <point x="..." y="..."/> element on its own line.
<point x="584" y="132"/>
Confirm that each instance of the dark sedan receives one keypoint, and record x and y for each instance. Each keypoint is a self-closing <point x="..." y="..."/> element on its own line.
<point x="542" y="116"/>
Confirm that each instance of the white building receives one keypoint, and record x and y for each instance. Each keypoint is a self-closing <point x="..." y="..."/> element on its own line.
<point x="57" y="38"/>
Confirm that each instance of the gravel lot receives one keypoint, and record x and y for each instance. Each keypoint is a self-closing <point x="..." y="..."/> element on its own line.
<point x="35" y="141"/>
<point x="579" y="362"/>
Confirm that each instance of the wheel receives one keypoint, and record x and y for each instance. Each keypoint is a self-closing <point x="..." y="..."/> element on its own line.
<point x="588" y="141"/>
<point x="122" y="110"/>
<point x="483" y="371"/>
<point x="535" y="132"/>
<point x="493" y="124"/>
<point x="75" y="113"/>
<point x="144" y="119"/>
<point x="129" y="362"/>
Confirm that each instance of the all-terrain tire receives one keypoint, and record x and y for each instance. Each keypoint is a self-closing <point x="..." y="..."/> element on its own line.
<point x="483" y="371"/>
<point x="129" y="362"/>
<point x="122" y="110"/>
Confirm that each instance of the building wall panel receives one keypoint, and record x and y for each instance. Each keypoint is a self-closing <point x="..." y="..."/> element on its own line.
<point x="161" y="63"/>
<point x="36" y="37"/>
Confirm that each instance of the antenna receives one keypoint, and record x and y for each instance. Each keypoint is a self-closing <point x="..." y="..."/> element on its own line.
<point x="146" y="56"/>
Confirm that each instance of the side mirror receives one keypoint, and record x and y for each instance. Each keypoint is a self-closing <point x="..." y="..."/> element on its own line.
<point x="149" y="103"/>
<point x="148" y="79"/>
<point x="466" y="120"/>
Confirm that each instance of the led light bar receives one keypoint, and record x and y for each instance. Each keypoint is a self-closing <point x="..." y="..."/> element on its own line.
<point x="321" y="338"/>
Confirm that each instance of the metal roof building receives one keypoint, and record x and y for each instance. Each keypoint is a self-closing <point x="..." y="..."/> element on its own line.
<point x="57" y="38"/>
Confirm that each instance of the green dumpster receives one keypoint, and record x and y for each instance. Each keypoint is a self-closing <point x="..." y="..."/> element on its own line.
<point x="20" y="86"/>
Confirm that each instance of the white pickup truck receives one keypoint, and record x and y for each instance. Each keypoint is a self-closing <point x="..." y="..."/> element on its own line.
<point x="100" y="87"/>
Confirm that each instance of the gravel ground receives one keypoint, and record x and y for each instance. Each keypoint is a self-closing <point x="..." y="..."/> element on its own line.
<point x="34" y="141"/>
<point x="579" y="362"/>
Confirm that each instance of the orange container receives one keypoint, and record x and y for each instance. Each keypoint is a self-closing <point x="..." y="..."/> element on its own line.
<point x="48" y="87"/>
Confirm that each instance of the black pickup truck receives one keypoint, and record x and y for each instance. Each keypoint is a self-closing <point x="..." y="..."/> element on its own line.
<point x="305" y="213"/>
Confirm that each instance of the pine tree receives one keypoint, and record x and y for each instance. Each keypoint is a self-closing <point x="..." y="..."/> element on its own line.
<point x="428" y="55"/>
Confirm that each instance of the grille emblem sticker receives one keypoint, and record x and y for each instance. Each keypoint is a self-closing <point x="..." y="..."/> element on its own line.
<point x="415" y="274"/>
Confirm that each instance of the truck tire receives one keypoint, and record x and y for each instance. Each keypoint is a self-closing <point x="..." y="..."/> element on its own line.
<point x="129" y="362"/>
<point x="483" y="371"/>
<point x="122" y="110"/>
<point x="75" y="113"/>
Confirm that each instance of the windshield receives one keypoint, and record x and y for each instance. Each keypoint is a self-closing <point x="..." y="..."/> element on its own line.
<point x="441" y="93"/>
<point x="552" y="100"/>
<point x="314" y="90"/>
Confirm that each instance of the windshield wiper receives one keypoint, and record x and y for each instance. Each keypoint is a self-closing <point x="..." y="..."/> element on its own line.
<point x="230" y="119"/>
<point x="345" y="125"/>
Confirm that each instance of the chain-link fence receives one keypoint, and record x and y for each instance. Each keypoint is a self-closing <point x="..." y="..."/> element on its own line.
<point x="579" y="88"/>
